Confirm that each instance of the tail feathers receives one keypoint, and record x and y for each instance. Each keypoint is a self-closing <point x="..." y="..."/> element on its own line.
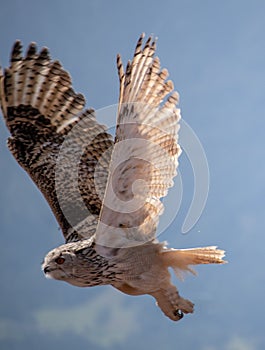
<point x="181" y="259"/>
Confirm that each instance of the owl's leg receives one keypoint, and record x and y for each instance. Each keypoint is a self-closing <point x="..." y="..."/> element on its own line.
<point x="127" y="289"/>
<point x="171" y="303"/>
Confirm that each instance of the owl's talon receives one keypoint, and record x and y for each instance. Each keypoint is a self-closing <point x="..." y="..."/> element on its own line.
<point x="178" y="313"/>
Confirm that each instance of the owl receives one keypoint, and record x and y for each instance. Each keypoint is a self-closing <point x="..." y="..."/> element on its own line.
<point x="105" y="193"/>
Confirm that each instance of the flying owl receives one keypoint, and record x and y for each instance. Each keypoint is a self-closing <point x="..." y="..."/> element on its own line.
<point x="105" y="194"/>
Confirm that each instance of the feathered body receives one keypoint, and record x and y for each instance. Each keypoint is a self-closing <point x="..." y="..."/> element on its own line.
<point x="105" y="194"/>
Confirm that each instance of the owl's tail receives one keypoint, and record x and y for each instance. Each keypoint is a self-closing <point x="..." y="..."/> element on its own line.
<point x="181" y="259"/>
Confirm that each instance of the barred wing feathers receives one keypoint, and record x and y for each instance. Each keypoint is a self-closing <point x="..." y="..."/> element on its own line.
<point x="145" y="153"/>
<point x="40" y="108"/>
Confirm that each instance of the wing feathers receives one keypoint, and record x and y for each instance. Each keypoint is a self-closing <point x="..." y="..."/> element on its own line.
<point x="145" y="154"/>
<point x="42" y="111"/>
<point x="40" y="108"/>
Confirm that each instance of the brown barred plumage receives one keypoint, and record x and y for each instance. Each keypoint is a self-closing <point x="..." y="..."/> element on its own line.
<point x="104" y="195"/>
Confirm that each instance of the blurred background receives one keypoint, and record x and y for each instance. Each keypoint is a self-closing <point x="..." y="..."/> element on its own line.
<point x="215" y="53"/>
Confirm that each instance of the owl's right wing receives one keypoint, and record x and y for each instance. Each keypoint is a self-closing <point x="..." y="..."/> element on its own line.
<point x="60" y="145"/>
<point x="145" y="153"/>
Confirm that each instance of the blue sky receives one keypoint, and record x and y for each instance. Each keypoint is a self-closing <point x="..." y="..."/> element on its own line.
<point x="215" y="55"/>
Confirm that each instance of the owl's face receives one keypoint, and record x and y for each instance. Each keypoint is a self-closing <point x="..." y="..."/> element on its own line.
<point x="76" y="263"/>
<point x="58" y="264"/>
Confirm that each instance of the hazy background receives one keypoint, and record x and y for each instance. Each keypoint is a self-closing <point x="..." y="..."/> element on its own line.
<point x="215" y="53"/>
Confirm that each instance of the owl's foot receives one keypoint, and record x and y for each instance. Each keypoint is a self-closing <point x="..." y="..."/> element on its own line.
<point x="172" y="304"/>
<point x="185" y="305"/>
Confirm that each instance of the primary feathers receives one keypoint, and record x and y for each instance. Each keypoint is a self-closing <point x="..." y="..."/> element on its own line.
<point x="104" y="193"/>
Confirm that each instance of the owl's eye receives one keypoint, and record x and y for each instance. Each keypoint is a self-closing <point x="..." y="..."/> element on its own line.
<point x="60" y="260"/>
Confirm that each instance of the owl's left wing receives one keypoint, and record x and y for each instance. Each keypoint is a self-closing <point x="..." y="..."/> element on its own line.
<point x="145" y="154"/>
<point x="58" y="143"/>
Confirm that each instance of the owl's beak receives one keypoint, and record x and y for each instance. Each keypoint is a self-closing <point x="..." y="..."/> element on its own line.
<point x="46" y="269"/>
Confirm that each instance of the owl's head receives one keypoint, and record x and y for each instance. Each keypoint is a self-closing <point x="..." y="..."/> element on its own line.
<point x="59" y="262"/>
<point x="68" y="263"/>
